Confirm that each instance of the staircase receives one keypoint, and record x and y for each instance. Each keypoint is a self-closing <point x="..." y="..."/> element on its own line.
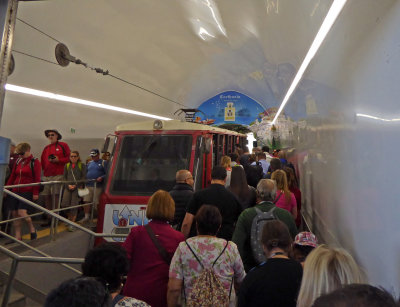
<point x="17" y="299"/>
<point x="33" y="281"/>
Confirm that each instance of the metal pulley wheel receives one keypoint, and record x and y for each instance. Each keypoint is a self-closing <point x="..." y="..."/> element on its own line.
<point x="62" y="54"/>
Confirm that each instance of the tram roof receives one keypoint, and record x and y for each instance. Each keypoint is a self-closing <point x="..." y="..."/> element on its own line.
<point x="173" y="125"/>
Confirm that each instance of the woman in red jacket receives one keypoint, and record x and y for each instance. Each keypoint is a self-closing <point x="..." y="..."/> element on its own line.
<point x="26" y="170"/>
<point x="148" y="274"/>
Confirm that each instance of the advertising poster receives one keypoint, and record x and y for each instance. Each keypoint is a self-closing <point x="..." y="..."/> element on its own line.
<point x="229" y="107"/>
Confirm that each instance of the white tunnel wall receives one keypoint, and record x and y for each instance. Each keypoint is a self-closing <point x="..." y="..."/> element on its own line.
<point x="349" y="164"/>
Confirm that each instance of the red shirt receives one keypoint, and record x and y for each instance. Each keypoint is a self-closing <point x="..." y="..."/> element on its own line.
<point x="22" y="174"/>
<point x="54" y="169"/>
<point x="148" y="275"/>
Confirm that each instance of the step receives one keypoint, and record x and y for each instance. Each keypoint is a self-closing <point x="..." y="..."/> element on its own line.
<point x="16" y="299"/>
<point x="36" y="280"/>
<point x="32" y="303"/>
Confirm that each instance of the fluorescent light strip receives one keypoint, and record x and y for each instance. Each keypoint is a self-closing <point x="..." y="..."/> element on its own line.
<point x="377" y="118"/>
<point x="329" y="20"/>
<point x="29" y="91"/>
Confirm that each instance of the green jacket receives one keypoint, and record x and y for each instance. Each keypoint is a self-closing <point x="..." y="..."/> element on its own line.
<point x="241" y="235"/>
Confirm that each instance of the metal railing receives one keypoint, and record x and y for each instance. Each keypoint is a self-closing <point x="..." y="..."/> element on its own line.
<point x="18" y="258"/>
<point x="306" y="225"/>
<point x="56" y="208"/>
<point x="54" y="220"/>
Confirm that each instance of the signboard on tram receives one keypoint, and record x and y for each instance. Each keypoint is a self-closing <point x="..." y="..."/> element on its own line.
<point x="120" y="218"/>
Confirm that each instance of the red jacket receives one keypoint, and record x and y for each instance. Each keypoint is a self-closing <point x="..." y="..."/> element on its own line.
<point x="54" y="169"/>
<point x="148" y="275"/>
<point x="22" y="174"/>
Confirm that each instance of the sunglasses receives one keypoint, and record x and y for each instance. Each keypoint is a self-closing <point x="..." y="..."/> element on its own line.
<point x="73" y="156"/>
<point x="50" y="134"/>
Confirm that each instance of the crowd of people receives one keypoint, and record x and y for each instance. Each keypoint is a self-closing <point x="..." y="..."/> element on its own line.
<point x="57" y="163"/>
<point x="230" y="244"/>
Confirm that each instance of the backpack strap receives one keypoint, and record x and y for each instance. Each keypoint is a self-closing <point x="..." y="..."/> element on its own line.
<point x="226" y="245"/>
<point x="194" y="254"/>
<point x="272" y="211"/>
<point x="276" y="200"/>
<point x="117" y="299"/>
<point x="62" y="147"/>
<point x="79" y="163"/>
<point x="33" y="168"/>
<point x="230" y="287"/>
<point x="160" y="248"/>
<point x="258" y="211"/>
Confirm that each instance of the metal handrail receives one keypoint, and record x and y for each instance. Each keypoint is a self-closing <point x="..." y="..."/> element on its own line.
<point x="46" y="259"/>
<point x="40" y="259"/>
<point x="33" y="249"/>
<point x="53" y="226"/>
<point x="303" y="217"/>
<point x="40" y="213"/>
<point x="51" y="213"/>
<point x="18" y="258"/>
<point x="46" y="183"/>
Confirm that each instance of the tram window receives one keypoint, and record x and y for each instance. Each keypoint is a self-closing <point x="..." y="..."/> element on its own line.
<point x="215" y="154"/>
<point x="225" y="145"/>
<point x="147" y="163"/>
<point x="198" y="165"/>
<point x="221" y="145"/>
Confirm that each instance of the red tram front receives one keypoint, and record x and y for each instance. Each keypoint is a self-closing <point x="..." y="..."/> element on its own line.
<point x="146" y="157"/>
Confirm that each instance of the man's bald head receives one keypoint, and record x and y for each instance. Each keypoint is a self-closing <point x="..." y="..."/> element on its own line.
<point x="182" y="175"/>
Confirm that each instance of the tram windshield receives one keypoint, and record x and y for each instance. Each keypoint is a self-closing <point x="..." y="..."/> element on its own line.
<point x="147" y="163"/>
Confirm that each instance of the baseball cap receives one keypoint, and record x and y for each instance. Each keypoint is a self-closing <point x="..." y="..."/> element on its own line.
<point x="306" y="238"/>
<point x="94" y="152"/>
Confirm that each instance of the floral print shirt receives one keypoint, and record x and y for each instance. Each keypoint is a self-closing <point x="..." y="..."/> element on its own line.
<point x="131" y="302"/>
<point x="184" y="265"/>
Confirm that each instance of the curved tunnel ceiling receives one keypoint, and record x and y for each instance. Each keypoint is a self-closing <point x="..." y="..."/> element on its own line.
<point x="185" y="50"/>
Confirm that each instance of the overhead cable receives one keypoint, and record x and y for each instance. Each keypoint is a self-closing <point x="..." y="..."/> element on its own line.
<point x="70" y="58"/>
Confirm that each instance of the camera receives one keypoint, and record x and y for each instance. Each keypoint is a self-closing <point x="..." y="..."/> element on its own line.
<point x="51" y="157"/>
<point x="20" y="153"/>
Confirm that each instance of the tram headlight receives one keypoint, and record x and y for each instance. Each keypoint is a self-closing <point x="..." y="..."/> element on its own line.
<point x="158" y="124"/>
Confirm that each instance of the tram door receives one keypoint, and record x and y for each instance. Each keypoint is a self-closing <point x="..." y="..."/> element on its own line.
<point x="198" y="165"/>
<point x="218" y="148"/>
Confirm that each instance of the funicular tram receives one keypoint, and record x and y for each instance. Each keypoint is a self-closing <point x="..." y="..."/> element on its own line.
<point x="146" y="157"/>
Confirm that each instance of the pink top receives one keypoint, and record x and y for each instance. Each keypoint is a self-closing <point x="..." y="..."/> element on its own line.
<point x="148" y="274"/>
<point x="283" y="203"/>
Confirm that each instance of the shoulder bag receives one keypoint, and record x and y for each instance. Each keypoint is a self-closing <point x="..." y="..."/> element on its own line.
<point x="163" y="253"/>
<point x="83" y="191"/>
